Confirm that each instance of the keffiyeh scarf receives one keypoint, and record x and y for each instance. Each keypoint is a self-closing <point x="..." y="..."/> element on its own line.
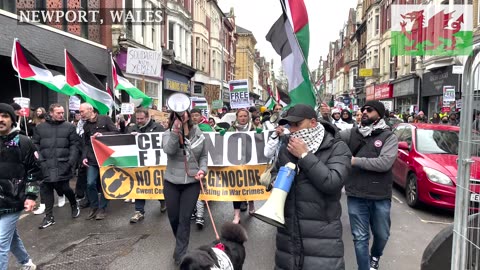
<point x="367" y="130"/>
<point x="313" y="137"/>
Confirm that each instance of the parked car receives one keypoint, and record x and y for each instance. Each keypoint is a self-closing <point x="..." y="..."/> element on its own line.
<point x="426" y="165"/>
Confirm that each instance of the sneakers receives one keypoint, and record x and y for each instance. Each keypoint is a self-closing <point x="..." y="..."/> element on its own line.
<point x="101" y="214"/>
<point x="200" y="221"/>
<point x="137" y="217"/>
<point x="194" y="214"/>
<point x="28" y="266"/>
<point x="92" y="214"/>
<point x="40" y="210"/>
<point x="75" y="211"/>
<point x="163" y="206"/>
<point x="83" y="203"/>
<point x="374" y="263"/>
<point x="47" y="222"/>
<point x="61" y="201"/>
<point x="129" y="200"/>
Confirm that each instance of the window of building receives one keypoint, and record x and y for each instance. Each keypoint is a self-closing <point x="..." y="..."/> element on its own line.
<point x="181" y="42"/>
<point x="197" y="53"/>
<point x="413" y="64"/>
<point x="40" y="4"/>
<point x="8" y="5"/>
<point x="375" y="59"/>
<point x="129" y="24"/>
<point x="384" y="67"/>
<point x="377" y="24"/>
<point x="171" y="35"/>
<point x="393" y="68"/>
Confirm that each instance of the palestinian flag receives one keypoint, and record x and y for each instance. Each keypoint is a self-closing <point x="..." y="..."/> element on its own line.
<point x="270" y="104"/>
<point x="87" y="85"/>
<point x="119" y="150"/>
<point x="290" y="38"/>
<point x="419" y="30"/>
<point x="30" y="68"/>
<point x="121" y="83"/>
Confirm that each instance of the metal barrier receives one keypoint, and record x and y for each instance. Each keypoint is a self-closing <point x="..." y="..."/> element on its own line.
<point x="466" y="236"/>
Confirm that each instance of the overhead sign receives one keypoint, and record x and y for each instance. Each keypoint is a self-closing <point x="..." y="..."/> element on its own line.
<point x="174" y="85"/>
<point x="239" y="95"/>
<point x="144" y="62"/>
<point x="365" y="72"/>
<point x="359" y="82"/>
<point x="457" y="69"/>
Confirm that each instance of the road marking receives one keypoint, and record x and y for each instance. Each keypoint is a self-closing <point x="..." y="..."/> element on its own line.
<point x="397" y="199"/>
<point x="428" y="221"/>
<point x="22" y="216"/>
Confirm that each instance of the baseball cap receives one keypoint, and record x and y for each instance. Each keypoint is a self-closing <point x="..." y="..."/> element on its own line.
<point x="298" y="113"/>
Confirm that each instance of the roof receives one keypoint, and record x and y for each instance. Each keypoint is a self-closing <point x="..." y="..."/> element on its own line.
<point x="241" y="30"/>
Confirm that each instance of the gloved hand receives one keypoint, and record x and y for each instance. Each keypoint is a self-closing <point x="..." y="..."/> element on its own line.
<point x="259" y="130"/>
<point x="222" y="132"/>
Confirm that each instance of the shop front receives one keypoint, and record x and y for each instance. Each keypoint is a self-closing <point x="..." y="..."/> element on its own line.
<point x="384" y="94"/>
<point x="177" y="78"/>
<point x="434" y="84"/>
<point x="370" y="92"/>
<point x="405" y="93"/>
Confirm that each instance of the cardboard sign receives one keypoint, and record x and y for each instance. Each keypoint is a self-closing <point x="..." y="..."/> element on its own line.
<point x="127" y="108"/>
<point x="144" y="62"/>
<point x="158" y="116"/>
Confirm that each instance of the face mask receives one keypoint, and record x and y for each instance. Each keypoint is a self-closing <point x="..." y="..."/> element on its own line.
<point x="444" y="121"/>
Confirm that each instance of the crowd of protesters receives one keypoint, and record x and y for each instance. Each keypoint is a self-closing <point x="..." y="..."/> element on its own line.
<point x="63" y="150"/>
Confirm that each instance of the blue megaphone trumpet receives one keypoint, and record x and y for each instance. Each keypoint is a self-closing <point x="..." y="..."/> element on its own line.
<point x="273" y="209"/>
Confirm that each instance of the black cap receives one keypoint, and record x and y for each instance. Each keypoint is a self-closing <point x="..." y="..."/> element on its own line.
<point x="5" y="108"/>
<point x="298" y="113"/>
<point x="377" y="105"/>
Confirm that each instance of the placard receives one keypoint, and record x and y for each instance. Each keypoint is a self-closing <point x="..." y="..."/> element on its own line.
<point x="239" y="94"/>
<point x="217" y="104"/>
<point x="127" y="108"/>
<point x="24" y="103"/>
<point x="144" y="62"/>
<point x="448" y="93"/>
<point x="74" y="103"/>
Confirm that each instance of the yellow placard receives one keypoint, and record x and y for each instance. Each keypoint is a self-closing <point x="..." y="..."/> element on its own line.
<point x="365" y="72"/>
<point x="239" y="183"/>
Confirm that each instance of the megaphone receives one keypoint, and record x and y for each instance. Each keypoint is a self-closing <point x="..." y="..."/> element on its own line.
<point x="273" y="209"/>
<point x="275" y="118"/>
<point x="179" y="103"/>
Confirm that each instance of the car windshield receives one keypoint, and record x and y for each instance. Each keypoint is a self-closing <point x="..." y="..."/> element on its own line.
<point x="437" y="141"/>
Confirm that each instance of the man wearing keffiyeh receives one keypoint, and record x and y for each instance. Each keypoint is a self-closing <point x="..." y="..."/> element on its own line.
<point x="369" y="188"/>
<point x="312" y="237"/>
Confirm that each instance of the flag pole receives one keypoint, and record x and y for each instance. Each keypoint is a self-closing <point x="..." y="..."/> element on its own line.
<point x="20" y="84"/>
<point x="303" y="55"/>
<point x="110" y="80"/>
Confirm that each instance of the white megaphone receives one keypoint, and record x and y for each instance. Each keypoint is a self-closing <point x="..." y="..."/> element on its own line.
<point x="272" y="211"/>
<point x="178" y="103"/>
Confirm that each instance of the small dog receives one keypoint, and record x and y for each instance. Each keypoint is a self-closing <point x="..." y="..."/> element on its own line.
<point x="211" y="257"/>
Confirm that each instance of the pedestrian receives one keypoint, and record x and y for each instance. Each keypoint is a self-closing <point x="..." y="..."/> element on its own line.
<point x="369" y="186"/>
<point x="57" y="142"/>
<point x="144" y="124"/>
<point x="312" y="237"/>
<point x="435" y="119"/>
<point x="96" y="125"/>
<point x="20" y="171"/>
<point x="358" y="118"/>
<point x="187" y="160"/>
<point x="242" y="123"/>
<point x="81" y="183"/>
<point x="257" y="122"/>
<point x="347" y="116"/>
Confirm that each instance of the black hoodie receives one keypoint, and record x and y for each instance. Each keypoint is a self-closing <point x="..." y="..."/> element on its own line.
<point x="349" y="119"/>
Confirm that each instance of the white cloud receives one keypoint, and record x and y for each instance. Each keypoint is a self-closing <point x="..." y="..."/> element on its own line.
<point x="326" y="19"/>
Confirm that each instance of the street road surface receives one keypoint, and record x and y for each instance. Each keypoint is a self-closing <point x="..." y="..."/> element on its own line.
<point x="114" y="243"/>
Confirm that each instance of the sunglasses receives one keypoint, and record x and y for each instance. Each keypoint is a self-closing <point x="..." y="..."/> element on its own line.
<point x="368" y="109"/>
<point x="295" y="124"/>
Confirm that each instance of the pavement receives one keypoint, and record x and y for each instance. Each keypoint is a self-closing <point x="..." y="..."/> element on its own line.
<point x="114" y="243"/>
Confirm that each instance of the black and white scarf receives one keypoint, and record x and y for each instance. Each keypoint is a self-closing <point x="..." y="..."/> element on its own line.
<point x="313" y="137"/>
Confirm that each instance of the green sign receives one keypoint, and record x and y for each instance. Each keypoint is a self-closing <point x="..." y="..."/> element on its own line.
<point x="217" y="104"/>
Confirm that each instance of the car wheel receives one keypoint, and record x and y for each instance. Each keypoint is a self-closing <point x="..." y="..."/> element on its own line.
<point x="411" y="190"/>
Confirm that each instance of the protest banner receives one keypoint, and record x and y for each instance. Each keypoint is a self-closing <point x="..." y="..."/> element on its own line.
<point x="144" y="62"/>
<point x="239" y="95"/>
<point x="132" y="166"/>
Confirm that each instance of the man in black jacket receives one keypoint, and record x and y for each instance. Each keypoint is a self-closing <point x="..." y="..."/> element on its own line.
<point x="57" y="142"/>
<point x="96" y="125"/>
<point x="369" y="188"/>
<point x="312" y="237"/>
<point x="18" y="191"/>
<point x="144" y="124"/>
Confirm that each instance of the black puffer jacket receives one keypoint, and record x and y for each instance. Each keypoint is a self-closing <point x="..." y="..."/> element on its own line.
<point x="58" y="146"/>
<point x="312" y="238"/>
<point x="102" y="124"/>
<point x="19" y="172"/>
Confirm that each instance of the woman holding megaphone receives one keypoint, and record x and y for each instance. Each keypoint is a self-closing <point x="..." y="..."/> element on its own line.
<point x="184" y="144"/>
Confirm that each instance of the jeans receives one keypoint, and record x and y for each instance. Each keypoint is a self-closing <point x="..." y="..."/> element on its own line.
<point x="81" y="184"/>
<point x="93" y="178"/>
<point x="366" y="214"/>
<point x="10" y="240"/>
<point x="180" y="200"/>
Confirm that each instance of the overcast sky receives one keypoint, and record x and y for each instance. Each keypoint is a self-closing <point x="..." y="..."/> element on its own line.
<point x="326" y="18"/>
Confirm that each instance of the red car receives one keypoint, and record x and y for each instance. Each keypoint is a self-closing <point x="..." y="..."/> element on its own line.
<point x="426" y="165"/>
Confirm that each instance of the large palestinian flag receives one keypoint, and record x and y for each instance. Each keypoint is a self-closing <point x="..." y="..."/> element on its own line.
<point x="120" y="151"/>
<point x="121" y="83"/>
<point x="290" y="37"/>
<point x="30" y="68"/>
<point x="432" y="30"/>
<point x="87" y="85"/>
